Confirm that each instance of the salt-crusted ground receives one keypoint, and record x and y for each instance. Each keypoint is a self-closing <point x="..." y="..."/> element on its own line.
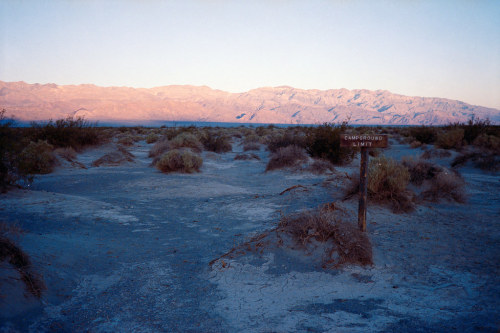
<point x="126" y="248"/>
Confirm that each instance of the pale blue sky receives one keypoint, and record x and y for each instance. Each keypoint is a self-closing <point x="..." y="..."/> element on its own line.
<point x="420" y="48"/>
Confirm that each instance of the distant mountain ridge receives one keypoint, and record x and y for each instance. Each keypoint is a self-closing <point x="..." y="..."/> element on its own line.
<point x="286" y="105"/>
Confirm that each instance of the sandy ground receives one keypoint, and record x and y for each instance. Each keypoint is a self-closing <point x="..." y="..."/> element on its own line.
<point x="126" y="248"/>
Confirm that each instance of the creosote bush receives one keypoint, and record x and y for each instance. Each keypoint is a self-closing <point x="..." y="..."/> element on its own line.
<point x="324" y="142"/>
<point x="179" y="161"/>
<point x="68" y="132"/>
<point x="289" y="156"/>
<point x="424" y="134"/>
<point x="451" y="138"/>
<point x="37" y="158"/>
<point x="285" y="138"/>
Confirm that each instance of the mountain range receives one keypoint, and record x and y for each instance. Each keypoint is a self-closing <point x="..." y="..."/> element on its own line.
<point x="285" y="105"/>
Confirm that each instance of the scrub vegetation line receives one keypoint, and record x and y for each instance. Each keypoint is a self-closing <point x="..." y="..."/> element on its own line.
<point x="399" y="185"/>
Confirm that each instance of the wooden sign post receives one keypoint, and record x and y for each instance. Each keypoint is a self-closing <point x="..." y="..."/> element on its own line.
<point x="363" y="141"/>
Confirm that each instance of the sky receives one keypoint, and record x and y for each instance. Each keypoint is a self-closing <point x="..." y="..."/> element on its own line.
<point x="435" y="48"/>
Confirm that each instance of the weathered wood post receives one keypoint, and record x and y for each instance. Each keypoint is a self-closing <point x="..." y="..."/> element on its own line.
<point x="363" y="189"/>
<point x="363" y="141"/>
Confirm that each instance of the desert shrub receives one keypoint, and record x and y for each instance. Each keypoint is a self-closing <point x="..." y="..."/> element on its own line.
<point x="424" y="134"/>
<point x="324" y="142"/>
<point x="421" y="170"/>
<point x="489" y="142"/>
<point x="319" y="166"/>
<point x="445" y="185"/>
<point x="482" y="160"/>
<point x="451" y="138"/>
<point x="159" y="147"/>
<point x="285" y="139"/>
<point x="386" y="177"/>
<point x="286" y="157"/>
<point x="244" y="157"/>
<point x="387" y="184"/>
<point x="251" y="138"/>
<point x="474" y="128"/>
<point x="488" y="162"/>
<point x="37" y="158"/>
<point x="435" y="153"/>
<point x="69" y="132"/>
<point x="68" y="153"/>
<point x="10" y="146"/>
<point x="126" y="140"/>
<point x="251" y="146"/>
<point x="21" y="262"/>
<point x="415" y="144"/>
<point x="179" y="161"/>
<point x="186" y="140"/>
<point x="217" y="143"/>
<point x="348" y="245"/>
<point x="374" y="152"/>
<point x="121" y="155"/>
<point x="151" y="138"/>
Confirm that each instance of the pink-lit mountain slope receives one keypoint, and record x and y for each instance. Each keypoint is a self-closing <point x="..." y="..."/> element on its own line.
<point x="264" y="105"/>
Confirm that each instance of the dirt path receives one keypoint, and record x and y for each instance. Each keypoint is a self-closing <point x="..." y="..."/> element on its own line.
<point x="127" y="248"/>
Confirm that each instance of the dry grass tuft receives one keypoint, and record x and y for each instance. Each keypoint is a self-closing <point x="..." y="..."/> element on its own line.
<point x="343" y="242"/>
<point x="347" y="244"/>
<point x="21" y="262"/>
<point x="387" y="184"/>
<point x="179" y="161"/>
<point x="289" y="156"/>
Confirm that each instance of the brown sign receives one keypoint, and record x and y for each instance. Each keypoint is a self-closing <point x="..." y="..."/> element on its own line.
<point x="364" y="140"/>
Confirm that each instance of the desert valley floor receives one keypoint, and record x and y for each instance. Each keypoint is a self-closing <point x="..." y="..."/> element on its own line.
<point x="127" y="248"/>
